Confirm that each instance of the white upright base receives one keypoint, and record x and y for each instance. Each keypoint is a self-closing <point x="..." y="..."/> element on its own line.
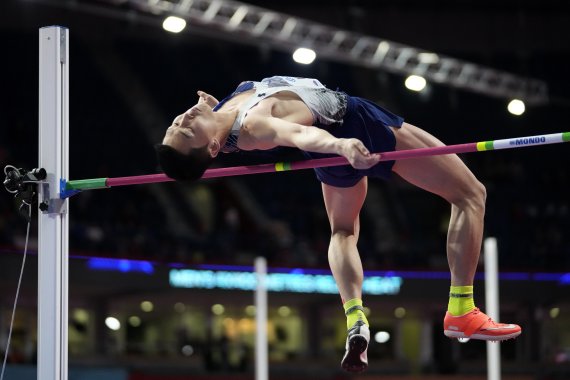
<point x="52" y="224"/>
<point x="261" y="357"/>
<point x="492" y="306"/>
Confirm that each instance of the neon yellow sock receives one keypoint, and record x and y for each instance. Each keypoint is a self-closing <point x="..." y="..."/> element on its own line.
<point x="460" y="300"/>
<point x="354" y="311"/>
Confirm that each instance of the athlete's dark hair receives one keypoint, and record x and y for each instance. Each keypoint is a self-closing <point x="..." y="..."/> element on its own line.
<point x="183" y="167"/>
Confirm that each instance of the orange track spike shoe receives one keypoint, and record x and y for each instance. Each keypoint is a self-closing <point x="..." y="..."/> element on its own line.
<point x="478" y="325"/>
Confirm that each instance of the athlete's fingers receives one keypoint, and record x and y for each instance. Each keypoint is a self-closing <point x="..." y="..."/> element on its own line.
<point x="362" y="148"/>
<point x="204" y="97"/>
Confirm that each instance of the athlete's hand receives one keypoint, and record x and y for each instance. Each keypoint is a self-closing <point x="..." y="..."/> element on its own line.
<point x="357" y="154"/>
<point x="207" y="98"/>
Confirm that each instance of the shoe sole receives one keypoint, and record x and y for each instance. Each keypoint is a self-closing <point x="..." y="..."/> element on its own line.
<point x="351" y="361"/>
<point x="492" y="338"/>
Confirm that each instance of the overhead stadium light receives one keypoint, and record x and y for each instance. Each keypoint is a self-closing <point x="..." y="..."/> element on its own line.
<point x="174" y="24"/>
<point x="516" y="107"/>
<point x="415" y="83"/>
<point x="304" y="56"/>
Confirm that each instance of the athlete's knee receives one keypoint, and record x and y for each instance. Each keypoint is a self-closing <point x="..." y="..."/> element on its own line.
<point x="473" y="196"/>
<point x="344" y="233"/>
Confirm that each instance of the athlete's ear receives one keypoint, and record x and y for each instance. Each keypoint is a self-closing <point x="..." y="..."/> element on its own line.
<point x="214" y="148"/>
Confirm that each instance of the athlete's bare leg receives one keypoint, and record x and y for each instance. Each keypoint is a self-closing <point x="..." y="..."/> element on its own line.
<point x="343" y="208"/>
<point x="448" y="177"/>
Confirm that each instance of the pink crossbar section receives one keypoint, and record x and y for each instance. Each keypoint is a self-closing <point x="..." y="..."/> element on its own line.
<point x="308" y="164"/>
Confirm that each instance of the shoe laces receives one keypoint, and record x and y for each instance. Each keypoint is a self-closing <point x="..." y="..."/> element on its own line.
<point x="489" y="319"/>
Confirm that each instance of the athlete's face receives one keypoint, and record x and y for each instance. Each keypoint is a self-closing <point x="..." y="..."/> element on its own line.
<point x="192" y="129"/>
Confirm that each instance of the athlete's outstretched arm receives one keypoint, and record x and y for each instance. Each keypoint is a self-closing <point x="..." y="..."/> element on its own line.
<point x="281" y="132"/>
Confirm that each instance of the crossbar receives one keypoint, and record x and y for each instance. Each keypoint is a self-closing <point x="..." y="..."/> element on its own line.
<point x="70" y="187"/>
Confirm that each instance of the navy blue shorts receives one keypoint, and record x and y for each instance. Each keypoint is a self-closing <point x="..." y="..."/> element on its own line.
<point x="369" y="123"/>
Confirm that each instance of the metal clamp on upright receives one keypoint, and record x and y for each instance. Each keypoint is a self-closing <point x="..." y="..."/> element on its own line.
<point x="23" y="184"/>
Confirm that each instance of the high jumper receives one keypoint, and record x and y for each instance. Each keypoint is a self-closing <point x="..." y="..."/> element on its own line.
<point x="304" y="114"/>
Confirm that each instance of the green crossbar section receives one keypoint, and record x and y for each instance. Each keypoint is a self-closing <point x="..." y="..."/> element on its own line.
<point x="86" y="184"/>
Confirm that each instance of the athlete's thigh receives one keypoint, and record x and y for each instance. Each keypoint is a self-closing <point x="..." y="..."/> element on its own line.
<point x="444" y="175"/>
<point x="343" y="205"/>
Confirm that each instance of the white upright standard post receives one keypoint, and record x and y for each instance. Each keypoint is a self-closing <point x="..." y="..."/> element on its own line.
<point x="492" y="305"/>
<point x="53" y="222"/>
<point x="261" y="358"/>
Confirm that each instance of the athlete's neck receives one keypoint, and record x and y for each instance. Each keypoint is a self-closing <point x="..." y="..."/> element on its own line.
<point x="224" y="121"/>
